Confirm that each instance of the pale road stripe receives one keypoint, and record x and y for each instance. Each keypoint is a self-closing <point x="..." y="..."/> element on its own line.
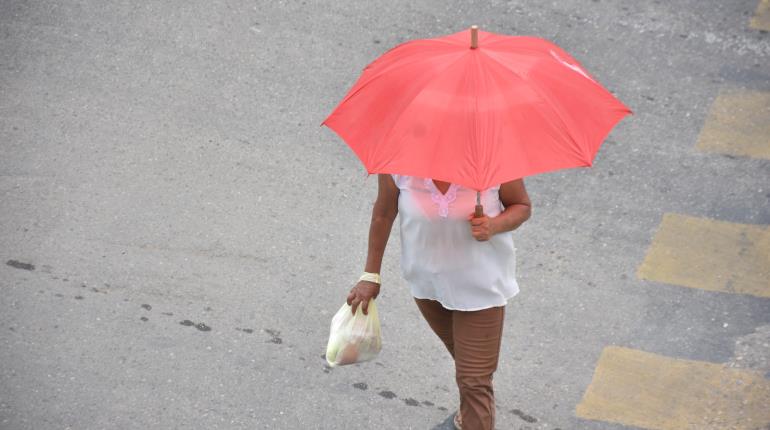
<point x="738" y="123"/>
<point x="709" y="254"/>
<point x="761" y="18"/>
<point x="651" y="391"/>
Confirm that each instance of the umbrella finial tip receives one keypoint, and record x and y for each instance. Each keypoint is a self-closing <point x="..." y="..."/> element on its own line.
<point x="474" y="36"/>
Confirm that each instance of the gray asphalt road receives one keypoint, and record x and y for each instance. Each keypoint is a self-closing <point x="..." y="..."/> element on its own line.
<point x="177" y="230"/>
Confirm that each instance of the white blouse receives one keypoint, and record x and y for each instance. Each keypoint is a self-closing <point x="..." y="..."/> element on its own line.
<point x="440" y="258"/>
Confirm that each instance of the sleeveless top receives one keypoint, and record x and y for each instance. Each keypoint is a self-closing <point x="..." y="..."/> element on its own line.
<point x="440" y="258"/>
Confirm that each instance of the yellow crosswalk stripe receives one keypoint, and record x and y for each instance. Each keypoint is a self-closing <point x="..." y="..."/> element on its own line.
<point x="738" y="123"/>
<point x="652" y="391"/>
<point x="709" y="254"/>
<point x="761" y="18"/>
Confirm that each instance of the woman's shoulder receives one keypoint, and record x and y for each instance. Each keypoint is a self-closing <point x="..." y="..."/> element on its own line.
<point x="400" y="180"/>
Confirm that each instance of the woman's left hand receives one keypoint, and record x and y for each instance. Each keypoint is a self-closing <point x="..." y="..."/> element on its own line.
<point x="481" y="228"/>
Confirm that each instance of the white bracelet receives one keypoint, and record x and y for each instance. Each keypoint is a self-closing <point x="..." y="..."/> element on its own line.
<point x="371" y="277"/>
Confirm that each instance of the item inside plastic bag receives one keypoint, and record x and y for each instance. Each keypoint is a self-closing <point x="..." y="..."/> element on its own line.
<point x="354" y="338"/>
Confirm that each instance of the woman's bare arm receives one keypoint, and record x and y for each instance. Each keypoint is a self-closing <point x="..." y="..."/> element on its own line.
<point x="518" y="207"/>
<point x="383" y="215"/>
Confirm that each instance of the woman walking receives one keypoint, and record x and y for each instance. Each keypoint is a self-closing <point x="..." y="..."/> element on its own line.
<point x="460" y="270"/>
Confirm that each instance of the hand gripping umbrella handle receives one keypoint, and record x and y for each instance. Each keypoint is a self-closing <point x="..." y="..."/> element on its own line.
<point x="479" y="208"/>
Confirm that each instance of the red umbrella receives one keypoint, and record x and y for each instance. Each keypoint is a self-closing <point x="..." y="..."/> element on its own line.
<point x="475" y="108"/>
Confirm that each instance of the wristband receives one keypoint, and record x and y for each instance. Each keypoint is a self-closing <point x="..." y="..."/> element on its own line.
<point x="371" y="277"/>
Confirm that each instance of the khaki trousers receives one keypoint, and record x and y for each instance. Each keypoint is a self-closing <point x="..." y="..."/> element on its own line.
<point x="473" y="339"/>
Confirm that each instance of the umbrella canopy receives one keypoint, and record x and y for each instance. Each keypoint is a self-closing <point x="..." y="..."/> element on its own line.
<point x="506" y="108"/>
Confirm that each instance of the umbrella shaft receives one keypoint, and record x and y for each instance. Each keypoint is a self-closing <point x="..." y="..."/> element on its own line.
<point x="479" y="209"/>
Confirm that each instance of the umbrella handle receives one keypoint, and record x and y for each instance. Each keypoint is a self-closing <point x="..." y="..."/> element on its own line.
<point x="479" y="208"/>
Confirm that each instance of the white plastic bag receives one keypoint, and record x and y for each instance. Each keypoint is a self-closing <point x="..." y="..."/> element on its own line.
<point x="354" y="338"/>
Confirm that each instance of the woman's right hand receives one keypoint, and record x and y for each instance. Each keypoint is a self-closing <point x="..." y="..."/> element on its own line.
<point x="361" y="293"/>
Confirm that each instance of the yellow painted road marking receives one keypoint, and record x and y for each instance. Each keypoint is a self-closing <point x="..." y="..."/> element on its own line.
<point x="711" y="255"/>
<point x="738" y="124"/>
<point x="761" y="18"/>
<point x="652" y="391"/>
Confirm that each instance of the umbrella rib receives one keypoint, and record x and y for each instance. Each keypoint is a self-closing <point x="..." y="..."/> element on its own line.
<point x="539" y="91"/>
<point x="400" y="114"/>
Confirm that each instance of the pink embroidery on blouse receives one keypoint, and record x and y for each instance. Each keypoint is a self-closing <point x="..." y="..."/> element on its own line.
<point x="442" y="200"/>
